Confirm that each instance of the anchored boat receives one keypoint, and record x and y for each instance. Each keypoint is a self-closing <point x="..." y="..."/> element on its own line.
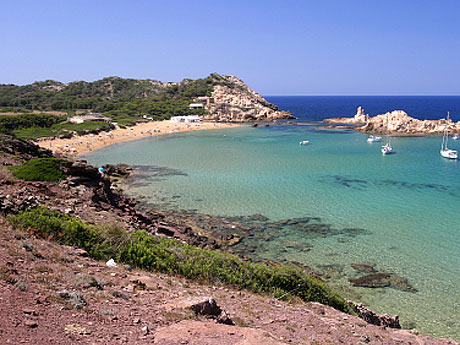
<point x="373" y="138"/>
<point x="387" y="148"/>
<point x="446" y="152"/>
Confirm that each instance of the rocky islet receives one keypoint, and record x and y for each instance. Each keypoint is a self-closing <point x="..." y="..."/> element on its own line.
<point x="396" y="122"/>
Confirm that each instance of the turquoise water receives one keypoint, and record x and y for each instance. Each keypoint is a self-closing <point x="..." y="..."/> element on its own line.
<point x="406" y="205"/>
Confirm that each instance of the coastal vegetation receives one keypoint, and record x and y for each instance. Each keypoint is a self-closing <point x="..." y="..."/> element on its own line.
<point x="40" y="169"/>
<point x="111" y="96"/>
<point x="8" y="124"/>
<point x="61" y="129"/>
<point x="146" y="251"/>
<point x="32" y="126"/>
<point x="126" y="101"/>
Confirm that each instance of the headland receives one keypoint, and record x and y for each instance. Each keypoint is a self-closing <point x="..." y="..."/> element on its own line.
<point x="79" y="117"/>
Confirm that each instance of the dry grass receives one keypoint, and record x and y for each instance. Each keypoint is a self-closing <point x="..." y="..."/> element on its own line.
<point x="179" y="314"/>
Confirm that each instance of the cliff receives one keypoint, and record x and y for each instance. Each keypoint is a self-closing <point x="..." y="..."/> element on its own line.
<point x="399" y="123"/>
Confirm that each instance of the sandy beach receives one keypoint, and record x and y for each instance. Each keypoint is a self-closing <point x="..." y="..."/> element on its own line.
<point x="85" y="143"/>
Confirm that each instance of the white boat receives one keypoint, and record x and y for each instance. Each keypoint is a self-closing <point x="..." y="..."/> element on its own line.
<point x="373" y="138"/>
<point x="305" y="142"/>
<point x="456" y="137"/>
<point x="387" y="149"/>
<point x="446" y="152"/>
<point x="451" y="154"/>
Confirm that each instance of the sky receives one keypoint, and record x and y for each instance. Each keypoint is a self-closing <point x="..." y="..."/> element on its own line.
<point x="310" y="47"/>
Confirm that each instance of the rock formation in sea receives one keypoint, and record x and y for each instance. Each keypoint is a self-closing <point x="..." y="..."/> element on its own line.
<point x="233" y="101"/>
<point x="399" y="123"/>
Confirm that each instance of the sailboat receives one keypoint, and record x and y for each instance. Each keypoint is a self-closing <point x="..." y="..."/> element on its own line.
<point x="387" y="149"/>
<point x="445" y="151"/>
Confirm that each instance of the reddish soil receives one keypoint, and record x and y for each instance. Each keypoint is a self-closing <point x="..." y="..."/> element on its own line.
<point x="136" y="307"/>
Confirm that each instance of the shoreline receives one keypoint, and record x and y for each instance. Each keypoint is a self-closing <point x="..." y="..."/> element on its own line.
<point x="82" y="144"/>
<point x="124" y="209"/>
<point x="263" y="236"/>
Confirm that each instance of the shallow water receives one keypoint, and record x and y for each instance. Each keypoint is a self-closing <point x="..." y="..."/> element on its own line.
<point x="407" y="205"/>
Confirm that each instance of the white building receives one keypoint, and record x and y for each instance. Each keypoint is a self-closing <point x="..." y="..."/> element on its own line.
<point x="186" y="119"/>
<point x="89" y="117"/>
<point x="196" y="105"/>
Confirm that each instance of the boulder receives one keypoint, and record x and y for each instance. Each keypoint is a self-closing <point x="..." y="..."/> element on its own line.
<point x="119" y="170"/>
<point x="209" y="308"/>
<point x="82" y="169"/>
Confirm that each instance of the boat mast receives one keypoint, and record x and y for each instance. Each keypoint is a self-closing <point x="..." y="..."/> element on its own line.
<point x="388" y="131"/>
<point x="447" y="130"/>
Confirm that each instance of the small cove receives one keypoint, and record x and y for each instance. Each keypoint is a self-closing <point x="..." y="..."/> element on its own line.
<point x="397" y="213"/>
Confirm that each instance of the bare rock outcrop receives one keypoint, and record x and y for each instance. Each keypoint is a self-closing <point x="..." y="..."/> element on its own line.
<point x="398" y="122"/>
<point x="233" y="101"/>
<point x="360" y="115"/>
<point x="374" y="318"/>
<point x="360" y="118"/>
<point x="25" y="149"/>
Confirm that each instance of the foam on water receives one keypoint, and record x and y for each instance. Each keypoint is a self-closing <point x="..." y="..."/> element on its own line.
<point x="407" y="204"/>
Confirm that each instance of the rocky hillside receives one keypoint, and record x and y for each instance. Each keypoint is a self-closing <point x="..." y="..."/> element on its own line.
<point x="399" y="123"/>
<point x="220" y="98"/>
<point x="56" y="295"/>
<point x="232" y="100"/>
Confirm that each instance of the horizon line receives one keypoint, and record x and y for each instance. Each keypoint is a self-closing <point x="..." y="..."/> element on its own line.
<point x="357" y="95"/>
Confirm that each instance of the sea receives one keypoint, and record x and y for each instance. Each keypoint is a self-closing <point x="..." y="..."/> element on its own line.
<point x="345" y="207"/>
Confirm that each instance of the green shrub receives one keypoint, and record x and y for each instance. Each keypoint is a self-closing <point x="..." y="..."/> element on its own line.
<point x="64" y="229"/>
<point x="10" y="123"/>
<point x="80" y="128"/>
<point x="40" y="169"/>
<point x="146" y="251"/>
<point x="112" y="96"/>
<point x="33" y="133"/>
<point x="58" y="129"/>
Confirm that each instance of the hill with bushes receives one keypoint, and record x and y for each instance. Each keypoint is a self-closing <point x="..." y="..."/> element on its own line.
<point x="224" y="98"/>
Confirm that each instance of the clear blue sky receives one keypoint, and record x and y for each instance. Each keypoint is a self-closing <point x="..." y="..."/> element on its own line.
<point x="329" y="47"/>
